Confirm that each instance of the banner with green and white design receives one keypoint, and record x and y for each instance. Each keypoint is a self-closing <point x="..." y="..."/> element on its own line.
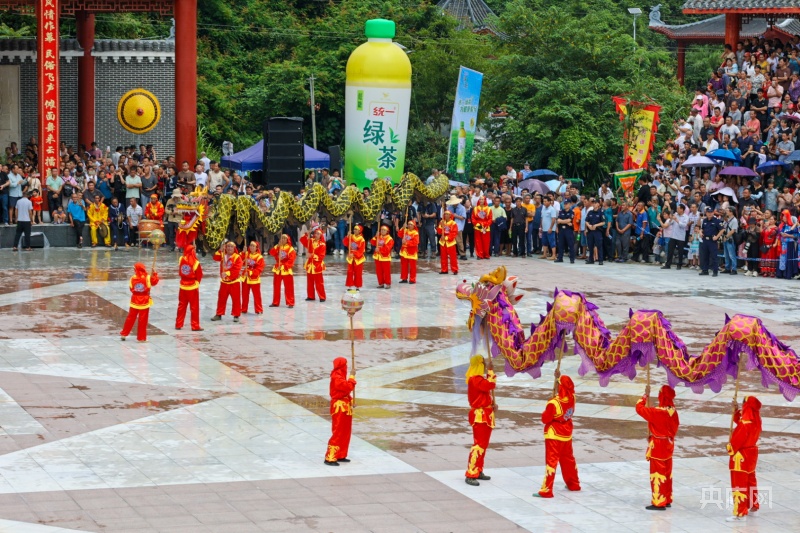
<point x="465" y="120"/>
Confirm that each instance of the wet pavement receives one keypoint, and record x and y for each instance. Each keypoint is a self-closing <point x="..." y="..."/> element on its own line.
<point x="224" y="430"/>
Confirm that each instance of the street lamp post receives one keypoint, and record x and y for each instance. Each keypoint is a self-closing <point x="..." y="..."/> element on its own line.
<point x="635" y="11"/>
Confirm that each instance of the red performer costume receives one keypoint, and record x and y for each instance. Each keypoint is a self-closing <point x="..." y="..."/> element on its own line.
<point x="315" y="265"/>
<point x="341" y="413"/>
<point x="770" y="250"/>
<point x="355" y="258"/>
<point x="154" y="210"/>
<point x="230" y="283"/>
<point x="743" y="450"/>
<point x="139" y="284"/>
<point x="481" y="416"/>
<point x="284" y="255"/>
<point x="408" y="252"/>
<point x="662" y="423"/>
<point x="191" y="273"/>
<point x="557" y="420"/>
<point x="383" y="245"/>
<point x="448" y="230"/>
<point x="251" y="277"/>
<point x="482" y="222"/>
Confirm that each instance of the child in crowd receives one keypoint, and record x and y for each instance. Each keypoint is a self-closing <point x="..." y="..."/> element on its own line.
<point x="37" y="201"/>
<point x="59" y="216"/>
<point x="694" y="247"/>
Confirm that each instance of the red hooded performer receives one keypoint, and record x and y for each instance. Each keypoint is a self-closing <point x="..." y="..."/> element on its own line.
<point x="315" y="264"/>
<point x="408" y="252"/>
<point x="662" y="423"/>
<point x="230" y="283"/>
<point x="251" y="278"/>
<point x="139" y="285"/>
<point x="481" y="416"/>
<point x="284" y="255"/>
<point x="448" y="229"/>
<point x="482" y="222"/>
<point x="743" y="451"/>
<point x="191" y="274"/>
<point x="557" y="420"/>
<point x="383" y="244"/>
<point x="355" y="257"/>
<point x="341" y="413"/>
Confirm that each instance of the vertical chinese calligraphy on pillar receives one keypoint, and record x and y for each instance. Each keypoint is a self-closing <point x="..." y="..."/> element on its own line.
<point x="47" y="58"/>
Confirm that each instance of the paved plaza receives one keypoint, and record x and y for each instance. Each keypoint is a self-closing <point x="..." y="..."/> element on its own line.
<point x="225" y="430"/>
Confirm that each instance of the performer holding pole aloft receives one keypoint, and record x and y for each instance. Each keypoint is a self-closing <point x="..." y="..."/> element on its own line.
<point x="315" y="264"/>
<point x="356" y="247"/>
<point x="448" y="230"/>
<point x="251" y="278"/>
<point x="230" y="285"/>
<point x="743" y="452"/>
<point x="557" y="420"/>
<point x="285" y="255"/>
<point x="191" y="273"/>
<point x="662" y="424"/>
<point x="408" y="252"/>
<point x="383" y="244"/>
<point x="341" y="413"/>
<point x="139" y="284"/>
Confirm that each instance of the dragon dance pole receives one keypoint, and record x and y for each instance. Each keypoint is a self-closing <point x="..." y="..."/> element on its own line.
<point x="647" y="400"/>
<point x="558" y="368"/>
<point x="353" y="355"/>
<point x="735" y="397"/>
<point x="352" y="302"/>
<point x="489" y="358"/>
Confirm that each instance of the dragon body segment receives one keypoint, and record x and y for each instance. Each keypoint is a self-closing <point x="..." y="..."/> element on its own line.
<point x="243" y="210"/>
<point x="646" y="337"/>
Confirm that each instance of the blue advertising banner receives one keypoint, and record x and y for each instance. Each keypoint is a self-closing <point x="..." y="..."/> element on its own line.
<point x="465" y="120"/>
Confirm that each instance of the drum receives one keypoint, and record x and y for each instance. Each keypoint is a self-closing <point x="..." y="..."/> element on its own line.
<point x="146" y="226"/>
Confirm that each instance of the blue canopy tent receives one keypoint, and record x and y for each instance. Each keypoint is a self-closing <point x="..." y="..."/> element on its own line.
<point x="252" y="158"/>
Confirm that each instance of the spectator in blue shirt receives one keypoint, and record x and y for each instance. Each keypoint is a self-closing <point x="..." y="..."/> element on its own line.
<point x="643" y="238"/>
<point x="76" y="210"/>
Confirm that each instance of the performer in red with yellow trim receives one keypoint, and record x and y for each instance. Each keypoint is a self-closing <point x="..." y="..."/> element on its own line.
<point x="154" y="210"/>
<point x="284" y="255"/>
<point x="662" y="423"/>
<point x="448" y="229"/>
<point x="315" y="264"/>
<point x="408" y="252"/>
<point x="383" y="245"/>
<point x="743" y="451"/>
<point x="355" y="257"/>
<point x="140" y="284"/>
<point x="481" y="416"/>
<point x="251" y="277"/>
<point x="191" y="274"/>
<point x="341" y="413"/>
<point x="482" y="222"/>
<point x="557" y="420"/>
<point x="230" y="283"/>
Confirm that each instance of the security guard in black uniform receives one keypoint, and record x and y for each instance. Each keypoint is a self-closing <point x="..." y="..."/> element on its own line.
<point x="566" y="235"/>
<point x="595" y="224"/>
<point x="712" y="228"/>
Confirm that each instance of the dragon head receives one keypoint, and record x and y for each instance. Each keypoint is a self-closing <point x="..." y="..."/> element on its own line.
<point x="486" y="290"/>
<point x="194" y="207"/>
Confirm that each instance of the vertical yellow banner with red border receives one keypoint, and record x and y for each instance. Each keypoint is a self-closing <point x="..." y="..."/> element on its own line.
<point x="641" y="132"/>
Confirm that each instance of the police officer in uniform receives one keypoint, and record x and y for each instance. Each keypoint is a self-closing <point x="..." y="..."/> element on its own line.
<point x="595" y="224"/>
<point x="566" y="235"/>
<point x="712" y="229"/>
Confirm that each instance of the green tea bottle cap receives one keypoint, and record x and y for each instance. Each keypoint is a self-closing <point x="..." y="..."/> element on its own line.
<point x="379" y="29"/>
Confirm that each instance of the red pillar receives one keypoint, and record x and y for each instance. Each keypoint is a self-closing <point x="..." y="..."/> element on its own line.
<point x="186" y="81"/>
<point x="733" y="23"/>
<point x="681" y="61"/>
<point x="86" y="87"/>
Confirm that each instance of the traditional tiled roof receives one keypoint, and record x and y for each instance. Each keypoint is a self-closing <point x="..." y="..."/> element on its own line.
<point x="472" y="14"/>
<point x="714" y="28"/>
<point x="29" y="45"/>
<point x="120" y="45"/>
<point x="786" y="6"/>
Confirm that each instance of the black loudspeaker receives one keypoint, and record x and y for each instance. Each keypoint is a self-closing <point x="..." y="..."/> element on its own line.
<point x="336" y="158"/>
<point x="284" y="160"/>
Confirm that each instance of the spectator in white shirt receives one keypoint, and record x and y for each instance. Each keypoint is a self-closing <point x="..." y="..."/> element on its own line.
<point x="206" y="161"/>
<point x="729" y="129"/>
<point x="200" y="177"/>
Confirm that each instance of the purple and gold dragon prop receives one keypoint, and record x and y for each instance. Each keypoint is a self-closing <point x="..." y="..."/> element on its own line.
<point x="646" y="338"/>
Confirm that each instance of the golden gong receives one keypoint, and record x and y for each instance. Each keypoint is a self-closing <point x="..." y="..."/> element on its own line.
<point x="138" y="111"/>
